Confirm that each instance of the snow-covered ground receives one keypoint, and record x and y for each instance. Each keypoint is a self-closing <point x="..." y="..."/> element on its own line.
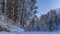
<point x="17" y="30"/>
<point x="30" y="33"/>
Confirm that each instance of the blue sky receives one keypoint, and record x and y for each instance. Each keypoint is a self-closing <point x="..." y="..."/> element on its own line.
<point x="45" y="5"/>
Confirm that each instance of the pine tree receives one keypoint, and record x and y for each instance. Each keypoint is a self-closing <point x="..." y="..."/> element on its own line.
<point x="27" y="9"/>
<point x="53" y="21"/>
<point x="12" y="9"/>
<point x="8" y="12"/>
<point x="3" y="6"/>
<point x="15" y="10"/>
<point x="33" y="26"/>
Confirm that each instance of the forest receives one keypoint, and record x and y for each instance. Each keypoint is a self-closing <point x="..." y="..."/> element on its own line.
<point x="22" y="13"/>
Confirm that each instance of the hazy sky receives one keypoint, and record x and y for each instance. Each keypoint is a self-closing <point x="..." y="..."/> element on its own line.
<point x="45" y="5"/>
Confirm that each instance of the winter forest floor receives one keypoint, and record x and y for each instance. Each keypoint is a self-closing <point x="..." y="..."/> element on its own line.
<point x="29" y="32"/>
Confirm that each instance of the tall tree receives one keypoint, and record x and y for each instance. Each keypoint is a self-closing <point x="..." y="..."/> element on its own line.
<point x="15" y="15"/>
<point x="9" y="12"/>
<point x="12" y="9"/>
<point x="28" y="9"/>
<point x="3" y="6"/>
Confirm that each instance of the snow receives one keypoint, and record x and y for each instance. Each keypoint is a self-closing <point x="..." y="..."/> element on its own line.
<point x="17" y="30"/>
<point x="30" y="33"/>
<point x="42" y="33"/>
<point x="6" y="33"/>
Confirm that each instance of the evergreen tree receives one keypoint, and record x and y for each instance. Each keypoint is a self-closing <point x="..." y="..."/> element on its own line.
<point x="3" y="6"/>
<point x="9" y="12"/>
<point x="15" y="10"/>
<point x="53" y="21"/>
<point x="27" y="9"/>
<point x="12" y="9"/>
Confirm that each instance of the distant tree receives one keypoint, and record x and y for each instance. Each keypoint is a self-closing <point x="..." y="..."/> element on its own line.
<point x="48" y="22"/>
<point x="53" y="21"/>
